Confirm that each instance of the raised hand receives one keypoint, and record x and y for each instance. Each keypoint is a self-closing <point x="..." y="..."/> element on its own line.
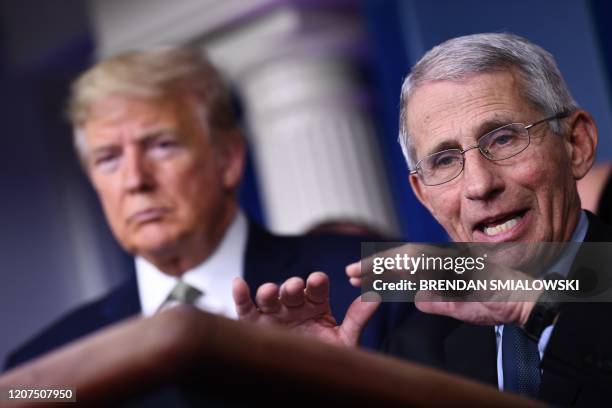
<point x="485" y="308"/>
<point x="303" y="308"/>
<point x="476" y="312"/>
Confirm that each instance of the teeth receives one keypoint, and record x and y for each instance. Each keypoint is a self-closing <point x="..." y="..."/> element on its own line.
<point x="498" y="229"/>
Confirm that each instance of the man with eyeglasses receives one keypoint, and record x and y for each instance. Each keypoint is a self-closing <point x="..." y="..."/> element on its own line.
<point x="502" y="143"/>
<point x="495" y="144"/>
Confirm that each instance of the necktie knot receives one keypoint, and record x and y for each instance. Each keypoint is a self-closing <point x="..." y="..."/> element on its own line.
<point x="182" y="293"/>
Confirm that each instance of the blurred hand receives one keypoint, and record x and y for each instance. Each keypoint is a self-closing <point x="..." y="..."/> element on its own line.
<point x="303" y="308"/>
<point x="484" y="313"/>
<point x="485" y="308"/>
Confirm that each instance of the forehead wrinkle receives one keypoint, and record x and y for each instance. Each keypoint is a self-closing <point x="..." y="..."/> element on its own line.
<point x="454" y="131"/>
<point x="128" y="120"/>
<point x="128" y="133"/>
<point x="465" y="108"/>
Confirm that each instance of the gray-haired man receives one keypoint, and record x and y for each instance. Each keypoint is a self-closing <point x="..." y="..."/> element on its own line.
<point x="495" y="143"/>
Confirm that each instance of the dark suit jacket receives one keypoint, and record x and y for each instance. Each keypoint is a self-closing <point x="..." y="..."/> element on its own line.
<point x="269" y="258"/>
<point x="577" y="364"/>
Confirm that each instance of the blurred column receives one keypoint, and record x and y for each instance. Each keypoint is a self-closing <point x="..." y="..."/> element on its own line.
<point x="299" y="67"/>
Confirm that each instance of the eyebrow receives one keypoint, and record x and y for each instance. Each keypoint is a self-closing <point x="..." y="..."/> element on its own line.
<point x="101" y="149"/>
<point x="491" y="125"/>
<point x="155" y="134"/>
<point x="483" y="129"/>
<point x="444" y="145"/>
<point x="142" y="140"/>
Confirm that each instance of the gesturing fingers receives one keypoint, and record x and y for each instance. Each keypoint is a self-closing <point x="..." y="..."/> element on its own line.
<point x="292" y="293"/>
<point x="317" y="288"/>
<point x="267" y="298"/>
<point x="353" y="271"/>
<point x="242" y="299"/>
<point x="302" y="307"/>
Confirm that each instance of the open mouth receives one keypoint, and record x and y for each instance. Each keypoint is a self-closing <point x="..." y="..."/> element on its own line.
<point x="498" y="225"/>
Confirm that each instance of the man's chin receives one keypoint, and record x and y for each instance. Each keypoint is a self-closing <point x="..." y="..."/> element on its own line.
<point x="153" y="246"/>
<point x="515" y="257"/>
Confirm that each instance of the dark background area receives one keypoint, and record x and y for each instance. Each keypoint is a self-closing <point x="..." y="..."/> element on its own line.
<point x="49" y="216"/>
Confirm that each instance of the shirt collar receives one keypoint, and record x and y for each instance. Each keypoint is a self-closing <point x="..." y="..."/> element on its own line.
<point x="563" y="265"/>
<point x="214" y="276"/>
<point x="581" y="229"/>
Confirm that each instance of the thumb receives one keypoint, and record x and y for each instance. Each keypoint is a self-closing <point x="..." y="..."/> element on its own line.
<point x="245" y="308"/>
<point x="357" y="316"/>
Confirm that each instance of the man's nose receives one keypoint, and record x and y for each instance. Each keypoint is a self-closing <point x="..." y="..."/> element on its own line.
<point x="482" y="180"/>
<point x="137" y="174"/>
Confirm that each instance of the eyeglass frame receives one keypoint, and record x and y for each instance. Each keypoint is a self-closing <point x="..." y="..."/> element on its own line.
<point x="560" y="115"/>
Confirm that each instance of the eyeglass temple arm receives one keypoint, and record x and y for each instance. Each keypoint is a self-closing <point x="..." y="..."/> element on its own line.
<point x="559" y="115"/>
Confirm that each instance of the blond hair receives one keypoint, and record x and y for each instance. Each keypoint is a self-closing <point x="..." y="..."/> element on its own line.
<point x="152" y="74"/>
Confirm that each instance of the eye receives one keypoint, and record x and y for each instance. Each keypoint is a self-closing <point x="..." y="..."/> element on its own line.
<point x="164" y="147"/>
<point x="443" y="160"/>
<point x="106" y="161"/>
<point x="502" y="139"/>
<point x="165" y="144"/>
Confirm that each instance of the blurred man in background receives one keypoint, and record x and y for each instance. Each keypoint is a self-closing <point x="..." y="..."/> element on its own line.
<point x="156" y="134"/>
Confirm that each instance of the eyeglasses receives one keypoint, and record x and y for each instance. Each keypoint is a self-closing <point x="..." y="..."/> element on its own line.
<point x="500" y="144"/>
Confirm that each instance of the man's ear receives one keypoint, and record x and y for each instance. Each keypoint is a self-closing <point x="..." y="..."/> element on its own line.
<point x="417" y="187"/>
<point x="581" y="142"/>
<point x="233" y="151"/>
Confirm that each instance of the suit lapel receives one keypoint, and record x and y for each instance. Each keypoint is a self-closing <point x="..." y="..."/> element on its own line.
<point x="121" y="303"/>
<point x="590" y="267"/>
<point x="597" y="230"/>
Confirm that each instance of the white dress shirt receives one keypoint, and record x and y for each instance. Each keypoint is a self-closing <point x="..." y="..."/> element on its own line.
<point x="213" y="277"/>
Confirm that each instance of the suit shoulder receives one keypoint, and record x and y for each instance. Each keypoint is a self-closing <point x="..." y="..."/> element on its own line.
<point x="333" y="249"/>
<point x="598" y="230"/>
<point x="259" y="233"/>
<point x="334" y="240"/>
<point x="76" y="323"/>
<point x="336" y="245"/>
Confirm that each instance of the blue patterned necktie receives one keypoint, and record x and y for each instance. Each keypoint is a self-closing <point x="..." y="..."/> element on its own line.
<point x="521" y="362"/>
